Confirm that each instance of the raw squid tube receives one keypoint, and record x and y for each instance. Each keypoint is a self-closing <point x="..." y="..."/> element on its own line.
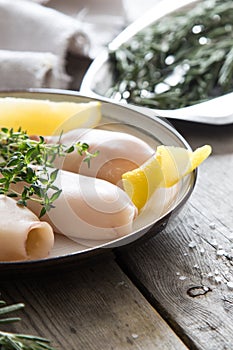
<point x="89" y="208"/>
<point x="119" y="152"/>
<point x="22" y="235"/>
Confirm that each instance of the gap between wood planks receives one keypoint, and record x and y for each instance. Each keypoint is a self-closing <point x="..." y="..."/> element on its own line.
<point x="155" y="304"/>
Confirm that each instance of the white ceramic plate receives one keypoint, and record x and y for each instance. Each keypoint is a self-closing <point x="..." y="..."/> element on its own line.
<point x="158" y="210"/>
<point x="99" y="76"/>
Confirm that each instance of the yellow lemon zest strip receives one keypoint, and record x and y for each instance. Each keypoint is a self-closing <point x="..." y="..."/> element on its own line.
<point x="165" y="169"/>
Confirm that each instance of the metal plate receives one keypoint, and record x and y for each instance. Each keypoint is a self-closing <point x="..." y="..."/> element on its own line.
<point x="160" y="209"/>
<point x="99" y="76"/>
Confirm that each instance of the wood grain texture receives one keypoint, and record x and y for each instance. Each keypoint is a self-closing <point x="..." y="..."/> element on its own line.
<point x="92" y="308"/>
<point x="186" y="271"/>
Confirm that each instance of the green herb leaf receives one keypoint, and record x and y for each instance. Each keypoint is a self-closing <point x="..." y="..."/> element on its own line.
<point x="12" y="341"/>
<point x="31" y="162"/>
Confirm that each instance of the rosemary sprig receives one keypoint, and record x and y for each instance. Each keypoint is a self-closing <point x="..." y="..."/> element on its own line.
<point x="12" y="341"/>
<point x="179" y="60"/>
<point x="25" y="160"/>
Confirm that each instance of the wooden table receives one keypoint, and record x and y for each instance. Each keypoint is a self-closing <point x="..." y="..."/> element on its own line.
<point x="174" y="291"/>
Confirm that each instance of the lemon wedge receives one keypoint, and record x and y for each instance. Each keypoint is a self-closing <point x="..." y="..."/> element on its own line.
<point x="165" y="169"/>
<point x="142" y="182"/>
<point x="176" y="162"/>
<point x="45" y="117"/>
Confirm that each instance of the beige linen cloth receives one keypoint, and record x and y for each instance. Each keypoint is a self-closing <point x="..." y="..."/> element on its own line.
<point x="34" y="41"/>
<point x="36" y="35"/>
<point x="22" y="70"/>
<point x="103" y="20"/>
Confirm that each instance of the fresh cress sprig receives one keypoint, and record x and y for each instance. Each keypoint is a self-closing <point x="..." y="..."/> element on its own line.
<point x="13" y="341"/>
<point x="31" y="162"/>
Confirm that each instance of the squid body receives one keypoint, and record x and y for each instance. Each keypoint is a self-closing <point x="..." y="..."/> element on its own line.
<point x="89" y="208"/>
<point x="118" y="153"/>
<point x="91" y="205"/>
<point x="22" y="235"/>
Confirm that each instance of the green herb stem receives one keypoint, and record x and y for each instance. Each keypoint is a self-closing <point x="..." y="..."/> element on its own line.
<point x="30" y="163"/>
<point x="12" y="341"/>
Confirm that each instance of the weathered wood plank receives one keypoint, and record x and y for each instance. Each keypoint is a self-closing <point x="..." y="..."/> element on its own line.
<point x="93" y="308"/>
<point x="186" y="271"/>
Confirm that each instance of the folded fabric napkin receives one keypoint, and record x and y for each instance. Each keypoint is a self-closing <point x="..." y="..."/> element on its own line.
<point x="30" y="27"/>
<point x="39" y="1"/>
<point x="19" y="69"/>
<point x="27" y="26"/>
<point x="82" y="27"/>
<point x="103" y="20"/>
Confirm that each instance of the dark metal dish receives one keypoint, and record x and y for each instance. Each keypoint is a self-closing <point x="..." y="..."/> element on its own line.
<point x="153" y="130"/>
